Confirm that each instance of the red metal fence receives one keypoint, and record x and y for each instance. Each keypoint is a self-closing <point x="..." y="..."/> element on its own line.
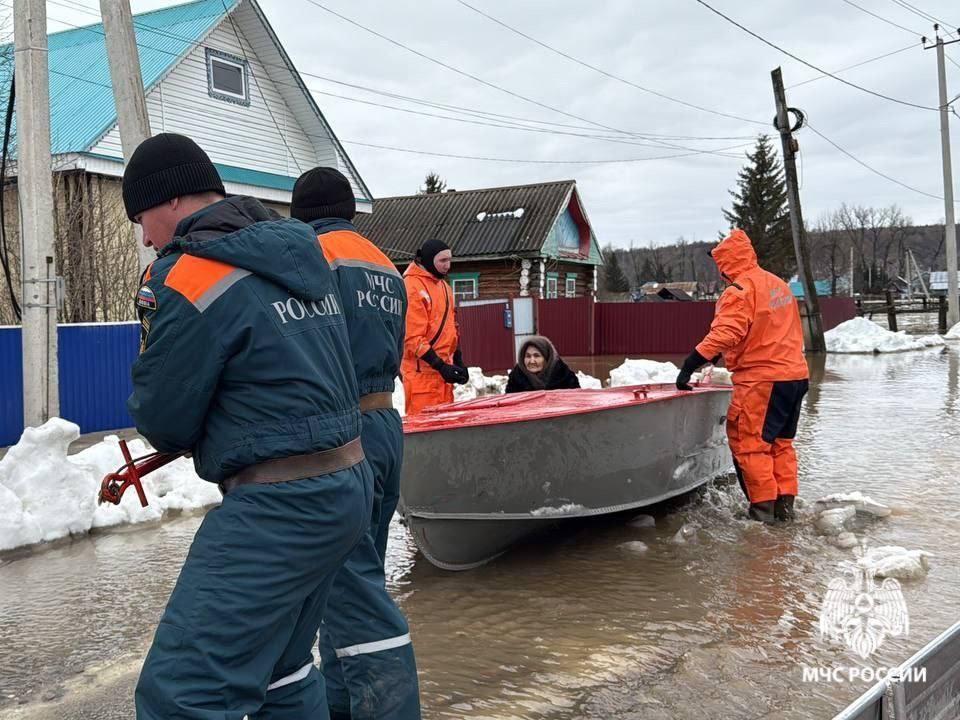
<point x="484" y="339"/>
<point x="835" y="310"/>
<point x="581" y="327"/>
<point x="569" y="323"/>
<point x="668" y="328"/>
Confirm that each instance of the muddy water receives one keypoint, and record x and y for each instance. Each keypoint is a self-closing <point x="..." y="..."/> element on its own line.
<point x="578" y="625"/>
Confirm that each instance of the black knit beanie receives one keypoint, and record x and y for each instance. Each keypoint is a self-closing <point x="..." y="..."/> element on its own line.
<point x="428" y="252"/>
<point x="323" y="192"/>
<point x="164" y="167"/>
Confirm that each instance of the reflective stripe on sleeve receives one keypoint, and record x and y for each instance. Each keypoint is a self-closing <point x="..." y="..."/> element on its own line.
<point x="372" y="647"/>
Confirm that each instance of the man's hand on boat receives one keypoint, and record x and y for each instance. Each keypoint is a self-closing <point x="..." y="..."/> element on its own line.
<point x="693" y="363"/>
<point x="452" y="374"/>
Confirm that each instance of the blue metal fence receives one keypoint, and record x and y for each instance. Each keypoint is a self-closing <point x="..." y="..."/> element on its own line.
<point x="94" y="364"/>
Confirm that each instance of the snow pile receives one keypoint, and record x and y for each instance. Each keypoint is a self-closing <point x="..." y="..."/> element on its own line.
<point x="478" y="385"/>
<point x="863" y="504"/>
<point x="46" y="495"/>
<point x="834" y="521"/>
<point x="589" y="382"/>
<point x="714" y="376"/>
<point x="399" y="399"/>
<point x="864" y="336"/>
<point x="890" y="561"/>
<point x="953" y="333"/>
<point x="643" y="372"/>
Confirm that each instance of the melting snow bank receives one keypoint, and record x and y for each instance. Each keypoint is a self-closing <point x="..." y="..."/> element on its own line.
<point x="891" y="561"/>
<point x="861" y="503"/>
<point x="651" y="372"/>
<point x="589" y="382"/>
<point x="953" y="333"/>
<point x="46" y="495"/>
<point x="479" y="384"/>
<point x="865" y="336"/>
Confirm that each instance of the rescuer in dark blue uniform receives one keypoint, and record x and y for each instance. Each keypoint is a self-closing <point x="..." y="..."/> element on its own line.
<point x="245" y="363"/>
<point x="368" y="660"/>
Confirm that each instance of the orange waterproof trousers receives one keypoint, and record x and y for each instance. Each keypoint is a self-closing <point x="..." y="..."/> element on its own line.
<point x="423" y="388"/>
<point x="761" y="425"/>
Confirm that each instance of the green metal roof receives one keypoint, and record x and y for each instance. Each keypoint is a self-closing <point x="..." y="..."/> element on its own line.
<point x="81" y="97"/>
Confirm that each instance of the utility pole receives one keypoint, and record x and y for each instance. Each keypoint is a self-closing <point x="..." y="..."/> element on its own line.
<point x="790" y="146"/>
<point x="128" y="96"/>
<point x="950" y="223"/>
<point x="41" y="394"/>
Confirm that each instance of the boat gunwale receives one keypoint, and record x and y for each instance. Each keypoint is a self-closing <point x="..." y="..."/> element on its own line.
<point x="547" y="414"/>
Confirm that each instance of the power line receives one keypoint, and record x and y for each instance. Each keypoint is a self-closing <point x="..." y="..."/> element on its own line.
<point x="882" y="19"/>
<point x="606" y="73"/>
<point x="870" y="167"/>
<point x="811" y="65"/>
<point x="607" y="161"/>
<point x="921" y="13"/>
<point x="722" y="152"/>
<point x="452" y="108"/>
<point x="851" y="67"/>
<point x="471" y="76"/>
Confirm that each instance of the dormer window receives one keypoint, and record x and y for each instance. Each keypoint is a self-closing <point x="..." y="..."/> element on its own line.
<point x="227" y="77"/>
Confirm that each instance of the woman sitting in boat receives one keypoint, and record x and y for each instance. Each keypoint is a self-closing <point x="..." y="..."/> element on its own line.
<point x="539" y="367"/>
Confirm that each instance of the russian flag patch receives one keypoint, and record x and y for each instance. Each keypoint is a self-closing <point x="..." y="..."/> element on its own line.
<point x="146" y="298"/>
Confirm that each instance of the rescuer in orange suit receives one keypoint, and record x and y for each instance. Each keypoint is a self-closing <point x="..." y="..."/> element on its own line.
<point x="757" y="330"/>
<point x="431" y="353"/>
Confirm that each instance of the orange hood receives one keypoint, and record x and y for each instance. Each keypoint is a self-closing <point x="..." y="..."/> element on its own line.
<point x="735" y="255"/>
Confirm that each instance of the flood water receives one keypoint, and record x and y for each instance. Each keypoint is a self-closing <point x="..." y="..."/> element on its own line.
<point x="577" y="625"/>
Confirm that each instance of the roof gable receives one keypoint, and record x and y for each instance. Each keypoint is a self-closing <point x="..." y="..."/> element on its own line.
<point x="81" y="96"/>
<point x="474" y="223"/>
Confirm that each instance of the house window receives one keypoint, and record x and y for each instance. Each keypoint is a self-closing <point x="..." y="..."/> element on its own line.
<point x="466" y="286"/>
<point x="553" y="281"/>
<point x="227" y="77"/>
<point x="571" y="288"/>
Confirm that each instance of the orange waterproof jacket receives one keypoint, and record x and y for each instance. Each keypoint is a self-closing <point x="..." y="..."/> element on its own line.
<point x="757" y="323"/>
<point x="429" y="300"/>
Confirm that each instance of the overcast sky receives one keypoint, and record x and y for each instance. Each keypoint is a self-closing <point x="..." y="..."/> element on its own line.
<point x="675" y="47"/>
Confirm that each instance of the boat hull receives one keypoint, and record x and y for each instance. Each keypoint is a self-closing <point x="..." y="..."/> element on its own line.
<point x="469" y="493"/>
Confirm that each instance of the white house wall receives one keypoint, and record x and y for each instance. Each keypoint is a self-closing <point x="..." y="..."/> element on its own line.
<point x="232" y="134"/>
<point x="265" y="47"/>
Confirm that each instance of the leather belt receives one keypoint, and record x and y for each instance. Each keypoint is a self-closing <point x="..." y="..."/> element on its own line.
<point x="376" y="401"/>
<point x="297" y="467"/>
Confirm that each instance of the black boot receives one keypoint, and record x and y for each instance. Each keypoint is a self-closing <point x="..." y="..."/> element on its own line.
<point x="336" y="715"/>
<point x="783" y="510"/>
<point x="762" y="511"/>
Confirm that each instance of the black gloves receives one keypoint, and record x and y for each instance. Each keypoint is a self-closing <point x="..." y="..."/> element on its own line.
<point x="693" y="363"/>
<point x="450" y="373"/>
<point x="458" y="359"/>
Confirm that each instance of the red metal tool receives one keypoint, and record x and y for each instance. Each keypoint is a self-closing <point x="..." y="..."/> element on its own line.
<point x="115" y="484"/>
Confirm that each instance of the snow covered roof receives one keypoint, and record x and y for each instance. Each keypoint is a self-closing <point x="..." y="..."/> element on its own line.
<point x="938" y="280"/>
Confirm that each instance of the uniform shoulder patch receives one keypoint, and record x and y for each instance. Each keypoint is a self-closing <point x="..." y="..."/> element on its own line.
<point x="146" y="298"/>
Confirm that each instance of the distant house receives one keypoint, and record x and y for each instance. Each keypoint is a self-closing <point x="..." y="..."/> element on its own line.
<point x="519" y="241"/>
<point x="938" y="282"/>
<point x="682" y="290"/>
<point x="213" y="70"/>
<point x="823" y="288"/>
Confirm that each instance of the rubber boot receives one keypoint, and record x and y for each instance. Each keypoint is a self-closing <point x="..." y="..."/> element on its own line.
<point x="763" y="512"/>
<point x="337" y="715"/>
<point x="783" y="509"/>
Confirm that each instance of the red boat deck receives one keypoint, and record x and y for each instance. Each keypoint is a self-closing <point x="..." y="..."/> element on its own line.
<point x="538" y="405"/>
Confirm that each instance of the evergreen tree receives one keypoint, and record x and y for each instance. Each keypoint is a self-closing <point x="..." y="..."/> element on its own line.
<point x="649" y="272"/>
<point x="433" y="184"/>
<point x="760" y="209"/>
<point x="614" y="279"/>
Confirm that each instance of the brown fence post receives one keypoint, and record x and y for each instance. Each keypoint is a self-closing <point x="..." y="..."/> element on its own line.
<point x="942" y="315"/>
<point x="592" y="325"/>
<point x="891" y="312"/>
